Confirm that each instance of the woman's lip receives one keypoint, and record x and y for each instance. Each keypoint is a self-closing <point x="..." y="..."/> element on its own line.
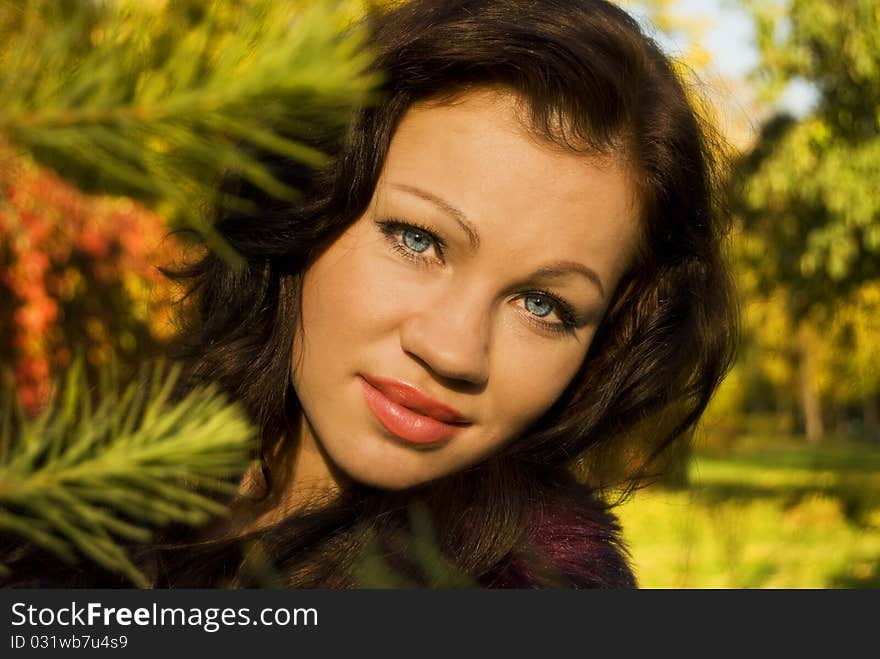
<point x="403" y="422"/>
<point x="413" y="399"/>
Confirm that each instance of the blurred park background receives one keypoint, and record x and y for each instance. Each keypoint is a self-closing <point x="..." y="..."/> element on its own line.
<point x="782" y="489"/>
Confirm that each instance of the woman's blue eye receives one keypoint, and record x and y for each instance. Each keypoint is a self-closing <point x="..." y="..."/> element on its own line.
<point x="412" y="241"/>
<point x="539" y="306"/>
<point x="417" y="241"/>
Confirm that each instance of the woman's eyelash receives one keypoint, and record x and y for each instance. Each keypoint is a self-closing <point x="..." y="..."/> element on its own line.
<point x="568" y="319"/>
<point x="392" y="229"/>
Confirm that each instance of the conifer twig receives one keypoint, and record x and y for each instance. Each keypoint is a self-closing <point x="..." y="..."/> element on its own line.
<point x="158" y="104"/>
<point x="74" y="480"/>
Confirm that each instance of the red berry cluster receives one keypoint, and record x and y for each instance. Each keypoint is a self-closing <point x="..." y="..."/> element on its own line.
<point x="77" y="272"/>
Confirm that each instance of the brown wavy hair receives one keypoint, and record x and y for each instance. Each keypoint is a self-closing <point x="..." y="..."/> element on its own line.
<point x="594" y="83"/>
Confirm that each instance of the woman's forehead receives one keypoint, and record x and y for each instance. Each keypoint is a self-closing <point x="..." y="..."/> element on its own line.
<point x="488" y="126"/>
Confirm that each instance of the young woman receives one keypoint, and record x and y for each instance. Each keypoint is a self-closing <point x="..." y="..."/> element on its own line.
<point x="504" y="295"/>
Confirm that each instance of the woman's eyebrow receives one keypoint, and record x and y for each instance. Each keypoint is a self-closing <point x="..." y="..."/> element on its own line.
<point x="563" y="268"/>
<point x="449" y="209"/>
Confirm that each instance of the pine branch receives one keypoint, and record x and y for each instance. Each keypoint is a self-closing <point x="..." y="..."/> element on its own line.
<point x="158" y="105"/>
<point x="74" y="481"/>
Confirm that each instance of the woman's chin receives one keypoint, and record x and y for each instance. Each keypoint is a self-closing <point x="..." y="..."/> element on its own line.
<point x="389" y="481"/>
<point x="384" y="477"/>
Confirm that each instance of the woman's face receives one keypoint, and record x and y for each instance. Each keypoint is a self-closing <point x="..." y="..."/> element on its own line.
<point x="456" y="310"/>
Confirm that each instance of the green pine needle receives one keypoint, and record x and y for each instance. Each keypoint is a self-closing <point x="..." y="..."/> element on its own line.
<point x="76" y="480"/>
<point x="158" y="104"/>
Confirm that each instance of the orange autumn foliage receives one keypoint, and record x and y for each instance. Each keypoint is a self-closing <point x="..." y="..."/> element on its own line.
<point x="78" y="272"/>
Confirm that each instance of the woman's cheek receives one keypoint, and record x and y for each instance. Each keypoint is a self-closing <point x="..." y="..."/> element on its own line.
<point x="349" y="293"/>
<point x="394" y="289"/>
<point x="531" y="377"/>
<point x="381" y="292"/>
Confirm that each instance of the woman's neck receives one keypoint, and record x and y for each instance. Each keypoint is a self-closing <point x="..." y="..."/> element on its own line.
<point x="303" y="478"/>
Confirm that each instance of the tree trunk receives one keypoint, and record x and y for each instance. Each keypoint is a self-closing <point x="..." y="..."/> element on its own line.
<point x="811" y="406"/>
<point x="870" y="418"/>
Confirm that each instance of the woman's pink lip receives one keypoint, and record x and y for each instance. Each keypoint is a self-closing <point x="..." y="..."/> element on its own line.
<point x="403" y="422"/>
<point x="410" y="397"/>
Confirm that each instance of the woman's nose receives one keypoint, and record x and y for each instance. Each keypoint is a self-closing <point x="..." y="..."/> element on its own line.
<point x="450" y="334"/>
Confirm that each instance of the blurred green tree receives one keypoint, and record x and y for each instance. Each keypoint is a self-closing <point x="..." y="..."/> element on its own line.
<point x="806" y="193"/>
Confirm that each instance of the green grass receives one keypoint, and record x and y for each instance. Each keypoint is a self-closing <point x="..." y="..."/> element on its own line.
<point x="786" y="517"/>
